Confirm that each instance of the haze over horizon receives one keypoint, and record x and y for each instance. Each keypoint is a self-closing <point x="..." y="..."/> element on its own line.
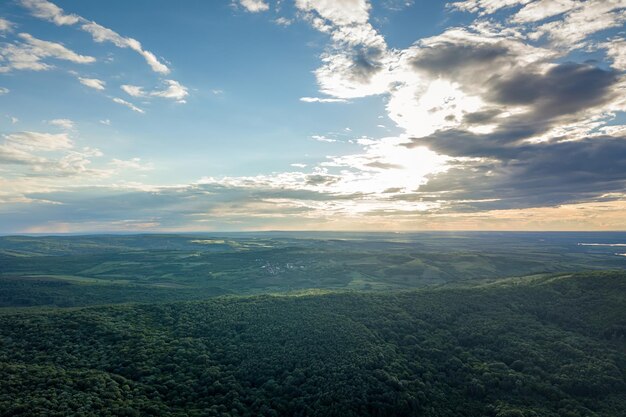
<point x="391" y="115"/>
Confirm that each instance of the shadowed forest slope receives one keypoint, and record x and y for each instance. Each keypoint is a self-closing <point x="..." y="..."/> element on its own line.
<point x="535" y="346"/>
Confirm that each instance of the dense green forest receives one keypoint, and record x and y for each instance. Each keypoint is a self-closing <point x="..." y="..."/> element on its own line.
<point x="544" y="345"/>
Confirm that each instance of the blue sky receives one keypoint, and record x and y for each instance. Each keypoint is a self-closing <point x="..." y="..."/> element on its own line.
<point x="312" y="114"/>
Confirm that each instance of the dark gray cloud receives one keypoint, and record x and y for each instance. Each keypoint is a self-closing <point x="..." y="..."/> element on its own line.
<point x="452" y="59"/>
<point x="366" y="62"/>
<point x="521" y="174"/>
<point x="552" y="99"/>
<point x="564" y="89"/>
<point x="319" y="179"/>
<point x="536" y="175"/>
<point x="382" y="165"/>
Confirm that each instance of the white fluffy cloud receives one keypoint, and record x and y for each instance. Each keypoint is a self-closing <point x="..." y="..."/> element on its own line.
<point x="338" y="12"/>
<point x="484" y="7"/>
<point x="542" y="9"/>
<point x="255" y="6"/>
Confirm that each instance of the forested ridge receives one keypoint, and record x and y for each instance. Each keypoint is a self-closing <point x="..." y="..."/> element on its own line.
<point x="538" y="346"/>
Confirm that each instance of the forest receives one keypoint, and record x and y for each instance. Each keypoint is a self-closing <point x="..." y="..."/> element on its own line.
<point x="529" y="344"/>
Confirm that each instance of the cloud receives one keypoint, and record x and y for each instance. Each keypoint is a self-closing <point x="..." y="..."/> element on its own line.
<point x="131" y="164"/>
<point x="357" y="62"/>
<point x="37" y="141"/>
<point x="543" y="9"/>
<point x="484" y="7"/>
<point x="46" y="10"/>
<point x="5" y="25"/>
<point x="94" y="83"/>
<point x="174" y="91"/>
<point x="343" y="12"/>
<point x="28" y="55"/>
<point x="536" y="175"/>
<point x="499" y="123"/>
<point x="133" y="90"/>
<point x="501" y="109"/>
<point x="350" y="75"/>
<point x="211" y="207"/>
<point x="4" y="90"/>
<point x="322" y="100"/>
<point x="12" y="154"/>
<point x="63" y="123"/>
<point x="255" y="6"/>
<point x="322" y="138"/>
<point x="44" y="155"/>
<point x="584" y="19"/>
<point x="55" y="50"/>
<point x="563" y="89"/>
<point x="574" y="22"/>
<point x="103" y="34"/>
<point x="41" y="161"/>
<point x="128" y="104"/>
<point x="283" y="21"/>
<point x="616" y="51"/>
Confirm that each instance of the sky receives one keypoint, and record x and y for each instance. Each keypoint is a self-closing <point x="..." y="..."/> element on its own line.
<point x="237" y="115"/>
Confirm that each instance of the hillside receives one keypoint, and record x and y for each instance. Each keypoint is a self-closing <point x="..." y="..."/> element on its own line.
<point x="71" y="271"/>
<point x="535" y="346"/>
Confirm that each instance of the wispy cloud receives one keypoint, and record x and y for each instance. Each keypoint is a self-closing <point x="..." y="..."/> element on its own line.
<point x="63" y="123"/>
<point x="5" y="25"/>
<point x="322" y="138"/>
<point x="49" y="11"/>
<point x="94" y="83"/>
<point x="46" y="10"/>
<point x="322" y="100"/>
<point x="283" y="21"/>
<point x="30" y="53"/>
<point x="128" y="104"/>
<point x="135" y="164"/>
<point x="174" y="91"/>
<point x="38" y="141"/>
<point x="103" y="34"/>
